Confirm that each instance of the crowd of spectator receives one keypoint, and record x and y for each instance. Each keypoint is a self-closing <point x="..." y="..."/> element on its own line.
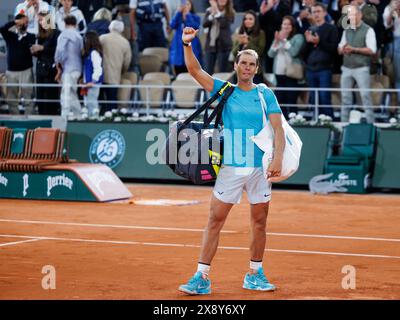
<point x="301" y="43"/>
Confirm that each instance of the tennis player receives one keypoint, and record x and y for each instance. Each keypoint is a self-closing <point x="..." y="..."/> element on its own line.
<point x="241" y="168"/>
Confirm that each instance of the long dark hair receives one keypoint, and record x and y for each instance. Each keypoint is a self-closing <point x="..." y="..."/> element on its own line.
<point x="45" y="33"/>
<point x="229" y="11"/>
<point x="192" y="9"/>
<point x="92" y="42"/>
<point x="293" y="23"/>
<point x="255" y="31"/>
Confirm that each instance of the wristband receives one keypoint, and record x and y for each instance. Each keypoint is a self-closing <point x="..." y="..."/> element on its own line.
<point x="187" y="44"/>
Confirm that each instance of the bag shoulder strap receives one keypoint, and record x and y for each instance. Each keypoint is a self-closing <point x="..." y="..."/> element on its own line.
<point x="219" y="108"/>
<point x="261" y="87"/>
<point x="208" y="103"/>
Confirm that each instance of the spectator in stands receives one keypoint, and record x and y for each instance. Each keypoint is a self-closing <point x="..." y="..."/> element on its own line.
<point x="369" y="14"/>
<point x="379" y="27"/>
<point x="116" y="60"/>
<point x="101" y="21"/>
<point x="391" y="19"/>
<point x="185" y="17"/>
<point x="333" y="9"/>
<point x="243" y="6"/>
<point x="46" y="70"/>
<point x="19" y="62"/>
<point x="121" y="11"/>
<point x="68" y="61"/>
<point x="174" y="6"/>
<point x="66" y="10"/>
<point x="357" y="47"/>
<point x="89" y="7"/>
<point x="31" y="9"/>
<point x="271" y="14"/>
<point x="148" y="15"/>
<point x="250" y="36"/>
<point x="320" y="52"/>
<point x="92" y="72"/>
<point x="304" y="17"/>
<point x="286" y="47"/>
<point x="218" y="19"/>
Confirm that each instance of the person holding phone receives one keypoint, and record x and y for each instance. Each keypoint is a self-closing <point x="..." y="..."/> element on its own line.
<point x="219" y="17"/>
<point x="185" y="17"/>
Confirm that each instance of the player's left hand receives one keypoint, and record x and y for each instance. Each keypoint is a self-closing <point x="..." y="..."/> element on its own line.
<point x="274" y="169"/>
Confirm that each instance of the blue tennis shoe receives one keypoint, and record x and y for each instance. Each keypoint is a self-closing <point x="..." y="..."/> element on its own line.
<point x="197" y="285"/>
<point x="257" y="281"/>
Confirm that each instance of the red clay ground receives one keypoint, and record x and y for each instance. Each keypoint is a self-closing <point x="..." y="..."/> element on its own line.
<point x="128" y="251"/>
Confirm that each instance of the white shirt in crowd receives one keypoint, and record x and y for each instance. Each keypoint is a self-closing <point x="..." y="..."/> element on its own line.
<point x="80" y="19"/>
<point x="97" y="65"/>
<point x="395" y="21"/>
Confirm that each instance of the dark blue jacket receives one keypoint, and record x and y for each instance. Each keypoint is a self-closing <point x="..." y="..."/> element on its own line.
<point x="176" y="57"/>
<point x="100" y="26"/>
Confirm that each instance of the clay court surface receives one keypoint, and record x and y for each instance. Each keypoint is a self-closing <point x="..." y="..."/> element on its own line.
<point x="129" y="251"/>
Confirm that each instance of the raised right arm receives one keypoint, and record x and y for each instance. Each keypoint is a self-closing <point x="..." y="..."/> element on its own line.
<point x="192" y="64"/>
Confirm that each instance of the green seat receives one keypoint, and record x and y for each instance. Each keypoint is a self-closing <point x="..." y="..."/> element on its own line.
<point x="356" y="157"/>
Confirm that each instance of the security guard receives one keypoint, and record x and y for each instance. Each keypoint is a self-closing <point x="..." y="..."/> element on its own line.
<point x="148" y="14"/>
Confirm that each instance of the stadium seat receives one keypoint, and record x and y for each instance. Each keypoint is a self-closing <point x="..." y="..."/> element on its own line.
<point x="356" y="156"/>
<point x="224" y="76"/>
<point x="18" y="147"/>
<point x="131" y="76"/>
<point x="162" y="53"/>
<point x="42" y="147"/>
<point x="184" y="76"/>
<point x="164" y="77"/>
<point x="186" y="97"/>
<point x="152" y="97"/>
<point x="149" y="63"/>
<point x="124" y="94"/>
<point x="5" y="141"/>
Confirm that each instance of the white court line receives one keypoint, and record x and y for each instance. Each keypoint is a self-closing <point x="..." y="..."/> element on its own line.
<point x="198" y="246"/>
<point x="194" y="230"/>
<point x="96" y="225"/>
<point x="17" y="242"/>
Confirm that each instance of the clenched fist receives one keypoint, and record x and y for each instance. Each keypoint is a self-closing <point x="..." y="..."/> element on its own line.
<point x="189" y="34"/>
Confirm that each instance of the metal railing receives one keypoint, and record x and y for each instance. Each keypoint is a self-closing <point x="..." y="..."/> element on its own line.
<point x="144" y="103"/>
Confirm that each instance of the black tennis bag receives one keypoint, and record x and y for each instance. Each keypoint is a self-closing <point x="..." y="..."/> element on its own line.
<point x="194" y="149"/>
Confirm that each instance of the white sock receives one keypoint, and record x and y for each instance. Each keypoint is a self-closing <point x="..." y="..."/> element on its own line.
<point x="255" y="265"/>
<point x="203" y="268"/>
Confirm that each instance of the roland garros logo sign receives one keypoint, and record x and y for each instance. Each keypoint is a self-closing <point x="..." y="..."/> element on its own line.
<point x="108" y="147"/>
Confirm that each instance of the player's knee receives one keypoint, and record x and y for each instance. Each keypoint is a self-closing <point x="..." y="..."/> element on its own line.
<point x="259" y="223"/>
<point x="216" y="220"/>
